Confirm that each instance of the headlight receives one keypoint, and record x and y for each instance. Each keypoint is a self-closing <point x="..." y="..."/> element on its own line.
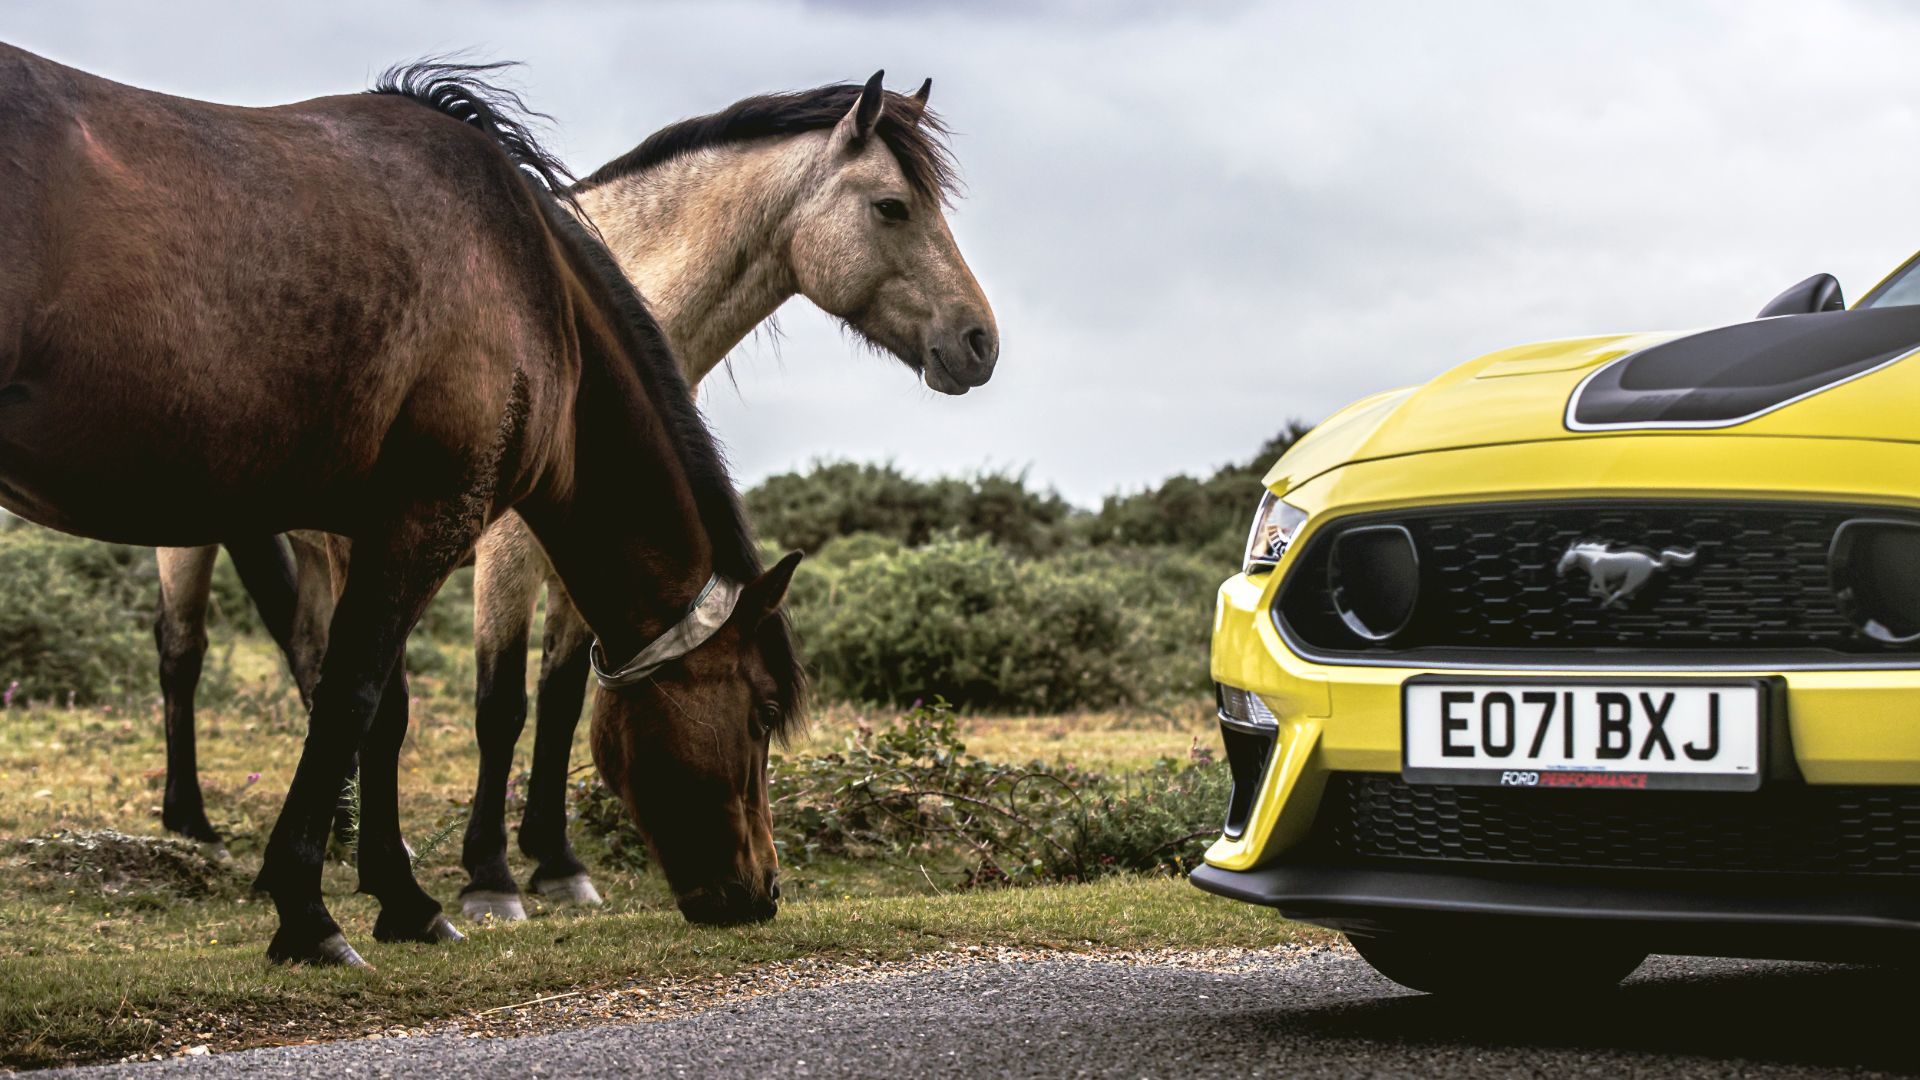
<point x="1273" y="527"/>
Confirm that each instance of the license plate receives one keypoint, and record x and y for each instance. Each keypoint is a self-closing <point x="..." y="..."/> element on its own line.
<point x="1584" y="733"/>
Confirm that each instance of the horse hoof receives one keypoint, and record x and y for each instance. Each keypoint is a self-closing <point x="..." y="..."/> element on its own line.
<point x="215" y="850"/>
<point x="330" y="951"/>
<point x="442" y="929"/>
<point x="485" y="904"/>
<point x="575" y="891"/>
<point x="438" y="929"/>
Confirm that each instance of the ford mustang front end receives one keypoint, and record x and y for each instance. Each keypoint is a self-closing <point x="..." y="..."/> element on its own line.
<point x="1591" y="649"/>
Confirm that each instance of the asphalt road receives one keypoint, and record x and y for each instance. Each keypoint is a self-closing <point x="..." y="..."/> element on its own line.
<point x="1326" y="1014"/>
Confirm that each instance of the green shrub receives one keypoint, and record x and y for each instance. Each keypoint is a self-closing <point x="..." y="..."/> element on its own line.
<point x="1209" y="516"/>
<point x="910" y="793"/>
<point x="834" y="499"/>
<point x="449" y="618"/>
<point x="76" y="617"/>
<point x="968" y="622"/>
<point x="841" y="498"/>
<point x="1168" y="597"/>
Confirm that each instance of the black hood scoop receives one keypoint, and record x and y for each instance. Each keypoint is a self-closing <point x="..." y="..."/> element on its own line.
<point x="1728" y="376"/>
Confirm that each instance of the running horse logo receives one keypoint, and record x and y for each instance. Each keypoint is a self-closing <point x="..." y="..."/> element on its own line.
<point x="1615" y="574"/>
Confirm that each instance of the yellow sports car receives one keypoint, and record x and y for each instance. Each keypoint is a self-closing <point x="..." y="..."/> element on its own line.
<point x="1590" y="649"/>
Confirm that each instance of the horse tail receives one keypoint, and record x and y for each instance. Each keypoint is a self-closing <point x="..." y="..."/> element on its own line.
<point x="1676" y="557"/>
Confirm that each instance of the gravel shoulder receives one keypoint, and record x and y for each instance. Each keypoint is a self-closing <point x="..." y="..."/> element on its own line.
<point x="1308" y="1010"/>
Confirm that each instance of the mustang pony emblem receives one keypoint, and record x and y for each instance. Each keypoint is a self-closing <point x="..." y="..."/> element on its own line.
<point x="1614" y="574"/>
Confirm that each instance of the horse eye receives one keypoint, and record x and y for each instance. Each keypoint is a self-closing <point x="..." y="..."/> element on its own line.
<point x="765" y="718"/>
<point x="892" y="209"/>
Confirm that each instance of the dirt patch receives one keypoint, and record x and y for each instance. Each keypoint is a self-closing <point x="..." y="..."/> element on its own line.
<point x="115" y="863"/>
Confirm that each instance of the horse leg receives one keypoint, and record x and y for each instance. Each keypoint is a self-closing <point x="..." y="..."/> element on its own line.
<point x="506" y="582"/>
<point x="266" y="571"/>
<point x="320" y="573"/>
<point x="390" y="587"/>
<point x="407" y="913"/>
<point x="180" y="633"/>
<point x="559" y="876"/>
<point x="313" y="579"/>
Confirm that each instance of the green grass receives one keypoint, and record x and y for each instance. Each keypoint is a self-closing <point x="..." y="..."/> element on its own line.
<point x="98" y="966"/>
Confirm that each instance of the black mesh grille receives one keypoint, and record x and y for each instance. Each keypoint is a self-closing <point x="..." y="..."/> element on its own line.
<point x="1491" y="580"/>
<point x="1780" y="829"/>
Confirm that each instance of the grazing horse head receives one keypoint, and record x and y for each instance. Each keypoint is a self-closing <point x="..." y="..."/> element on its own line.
<point x="682" y="732"/>
<point x="836" y="194"/>
<point x="697" y="670"/>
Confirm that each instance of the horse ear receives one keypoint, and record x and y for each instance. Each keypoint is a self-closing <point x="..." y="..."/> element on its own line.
<point x="926" y="88"/>
<point x="858" y="124"/>
<point x="763" y="597"/>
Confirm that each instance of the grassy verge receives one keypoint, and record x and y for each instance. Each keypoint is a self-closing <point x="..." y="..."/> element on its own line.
<point x="81" y="1007"/>
<point x="106" y="953"/>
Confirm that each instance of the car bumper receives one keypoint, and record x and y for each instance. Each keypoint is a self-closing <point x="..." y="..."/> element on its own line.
<point x="1842" y="727"/>
<point x="1703" y="913"/>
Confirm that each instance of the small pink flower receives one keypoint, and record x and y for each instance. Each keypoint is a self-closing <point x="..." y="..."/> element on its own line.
<point x="253" y="778"/>
<point x="6" y="697"/>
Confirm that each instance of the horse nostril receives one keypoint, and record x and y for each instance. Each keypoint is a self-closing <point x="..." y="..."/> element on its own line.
<point x="773" y="888"/>
<point x="981" y="345"/>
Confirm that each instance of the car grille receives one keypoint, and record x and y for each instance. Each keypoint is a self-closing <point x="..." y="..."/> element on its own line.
<point x="1785" y="828"/>
<point x="1490" y="582"/>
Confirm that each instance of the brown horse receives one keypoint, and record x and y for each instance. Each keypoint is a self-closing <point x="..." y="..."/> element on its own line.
<point x="718" y="220"/>
<point x="370" y="316"/>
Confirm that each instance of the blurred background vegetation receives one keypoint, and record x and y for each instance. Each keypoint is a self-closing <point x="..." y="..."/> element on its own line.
<point x="983" y="590"/>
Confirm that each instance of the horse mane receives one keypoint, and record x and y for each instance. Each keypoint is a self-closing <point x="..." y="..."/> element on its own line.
<point x="915" y="134"/>
<point x="459" y="91"/>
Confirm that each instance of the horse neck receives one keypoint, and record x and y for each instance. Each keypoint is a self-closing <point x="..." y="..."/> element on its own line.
<point x="623" y="529"/>
<point x="704" y="239"/>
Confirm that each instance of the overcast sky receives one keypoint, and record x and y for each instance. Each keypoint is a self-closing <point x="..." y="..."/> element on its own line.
<point x="1197" y="220"/>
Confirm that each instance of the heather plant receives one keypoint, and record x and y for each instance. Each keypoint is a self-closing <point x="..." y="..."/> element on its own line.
<point x="807" y="510"/>
<point x="974" y="624"/>
<point x="909" y="792"/>
<point x="968" y="622"/>
<point x="75" y="618"/>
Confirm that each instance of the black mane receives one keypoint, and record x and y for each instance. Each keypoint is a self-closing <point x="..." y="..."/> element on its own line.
<point x="458" y="91"/>
<point x="913" y="132"/>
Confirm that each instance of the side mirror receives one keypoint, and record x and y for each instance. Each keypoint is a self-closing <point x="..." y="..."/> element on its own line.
<point x="1821" y="292"/>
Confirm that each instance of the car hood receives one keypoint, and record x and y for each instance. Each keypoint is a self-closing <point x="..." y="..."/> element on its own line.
<point x="1671" y="383"/>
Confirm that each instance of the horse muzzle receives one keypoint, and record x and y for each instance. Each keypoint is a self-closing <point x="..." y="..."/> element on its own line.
<point x="730" y="903"/>
<point x="958" y="362"/>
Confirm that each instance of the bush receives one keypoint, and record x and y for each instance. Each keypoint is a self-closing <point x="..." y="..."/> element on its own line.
<point x="449" y="617"/>
<point x="966" y="621"/>
<point x="76" y="617"/>
<point x="839" y="499"/>
<point x="836" y="499"/>
<point x="910" y="792"/>
<point x="1207" y="516"/>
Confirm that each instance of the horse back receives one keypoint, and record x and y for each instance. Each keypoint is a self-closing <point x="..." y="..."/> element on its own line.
<point x="260" y="305"/>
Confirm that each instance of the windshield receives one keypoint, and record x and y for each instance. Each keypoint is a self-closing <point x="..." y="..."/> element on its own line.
<point x="1900" y="290"/>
